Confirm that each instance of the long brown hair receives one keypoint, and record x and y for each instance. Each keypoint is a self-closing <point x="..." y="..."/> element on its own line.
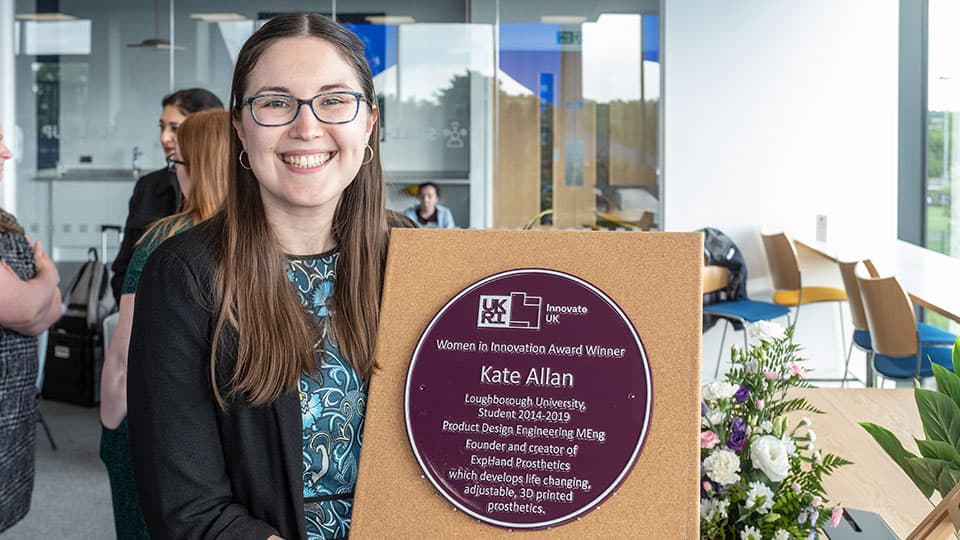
<point x="276" y="336"/>
<point x="204" y="141"/>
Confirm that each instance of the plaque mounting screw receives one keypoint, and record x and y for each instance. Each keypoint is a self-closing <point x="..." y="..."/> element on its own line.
<point x="631" y="395"/>
<point x="422" y="387"/>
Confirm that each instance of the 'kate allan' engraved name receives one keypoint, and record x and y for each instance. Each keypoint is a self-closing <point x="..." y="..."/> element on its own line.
<point x="543" y="376"/>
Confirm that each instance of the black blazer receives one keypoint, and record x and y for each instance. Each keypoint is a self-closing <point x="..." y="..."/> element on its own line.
<point x="156" y="195"/>
<point x="202" y="473"/>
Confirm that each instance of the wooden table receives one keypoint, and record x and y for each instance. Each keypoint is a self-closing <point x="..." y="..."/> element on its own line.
<point x="874" y="482"/>
<point x="928" y="277"/>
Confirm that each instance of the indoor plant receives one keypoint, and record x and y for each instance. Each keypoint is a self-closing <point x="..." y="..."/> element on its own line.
<point x="760" y="470"/>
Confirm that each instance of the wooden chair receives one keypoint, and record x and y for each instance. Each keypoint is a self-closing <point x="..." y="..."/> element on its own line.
<point x="789" y="289"/>
<point x="861" y="332"/>
<point x="898" y="351"/>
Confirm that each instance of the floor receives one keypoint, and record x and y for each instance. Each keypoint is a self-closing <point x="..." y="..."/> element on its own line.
<point x="71" y="494"/>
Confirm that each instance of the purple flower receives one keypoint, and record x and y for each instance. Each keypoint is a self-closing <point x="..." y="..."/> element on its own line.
<point x="738" y="435"/>
<point x="743" y="394"/>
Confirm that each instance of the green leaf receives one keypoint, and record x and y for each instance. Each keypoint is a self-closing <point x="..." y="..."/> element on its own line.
<point x="948" y="382"/>
<point x="940" y="416"/>
<point x="891" y="445"/>
<point x="956" y="355"/>
<point x="942" y="474"/>
<point x="939" y="450"/>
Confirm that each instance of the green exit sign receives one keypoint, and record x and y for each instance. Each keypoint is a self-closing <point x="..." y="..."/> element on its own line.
<point x="569" y="37"/>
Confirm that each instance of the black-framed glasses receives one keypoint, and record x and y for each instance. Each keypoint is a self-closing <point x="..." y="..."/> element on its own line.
<point x="172" y="163"/>
<point x="272" y="110"/>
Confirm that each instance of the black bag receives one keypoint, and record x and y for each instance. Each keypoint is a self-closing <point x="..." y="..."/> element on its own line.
<point x="719" y="250"/>
<point x="75" y="345"/>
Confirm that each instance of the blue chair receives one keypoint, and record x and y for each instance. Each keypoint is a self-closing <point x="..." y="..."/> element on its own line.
<point x="927" y="333"/>
<point x="744" y="312"/>
<point x="902" y="349"/>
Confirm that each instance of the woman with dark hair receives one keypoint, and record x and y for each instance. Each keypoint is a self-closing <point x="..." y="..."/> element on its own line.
<point x="157" y="195"/>
<point x="29" y="304"/>
<point x="199" y="161"/>
<point x="253" y="334"/>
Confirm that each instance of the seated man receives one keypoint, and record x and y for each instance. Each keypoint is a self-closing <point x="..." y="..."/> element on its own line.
<point x="428" y="213"/>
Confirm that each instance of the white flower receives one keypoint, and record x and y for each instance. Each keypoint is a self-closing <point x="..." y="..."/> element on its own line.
<point x="781" y="534"/>
<point x="722" y="508"/>
<point x="765" y="427"/>
<point x="752" y="366"/>
<point x="789" y="445"/>
<point x="812" y="434"/>
<point x="707" y="507"/>
<point x="806" y="421"/>
<point x="711" y="508"/>
<point x="722" y="466"/>
<point x="714" y="417"/>
<point x="817" y="457"/>
<point x="766" y="331"/>
<point x="719" y="390"/>
<point x="759" y="497"/>
<point x="770" y="456"/>
<point x="750" y="533"/>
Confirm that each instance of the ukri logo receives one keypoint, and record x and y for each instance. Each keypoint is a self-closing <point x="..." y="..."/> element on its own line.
<point x="516" y="310"/>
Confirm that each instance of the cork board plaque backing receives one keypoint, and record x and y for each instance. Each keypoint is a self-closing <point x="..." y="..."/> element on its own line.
<point x="653" y="277"/>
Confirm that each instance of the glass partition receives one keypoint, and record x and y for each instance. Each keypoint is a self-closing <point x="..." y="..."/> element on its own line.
<point x="512" y="108"/>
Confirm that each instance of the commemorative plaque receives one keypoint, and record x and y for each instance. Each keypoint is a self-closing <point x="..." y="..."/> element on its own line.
<point x="528" y="398"/>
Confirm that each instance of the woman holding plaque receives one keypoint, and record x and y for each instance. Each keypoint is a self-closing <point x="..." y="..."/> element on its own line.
<point x="253" y="333"/>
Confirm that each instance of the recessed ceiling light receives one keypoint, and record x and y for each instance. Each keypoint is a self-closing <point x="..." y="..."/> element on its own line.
<point x="390" y="19"/>
<point x="45" y="17"/>
<point x="218" y="17"/>
<point x="562" y="19"/>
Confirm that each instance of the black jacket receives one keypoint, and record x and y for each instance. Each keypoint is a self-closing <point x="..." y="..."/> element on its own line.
<point x="156" y="195"/>
<point x="202" y="473"/>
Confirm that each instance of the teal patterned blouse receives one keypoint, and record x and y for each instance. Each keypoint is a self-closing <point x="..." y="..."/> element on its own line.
<point x="332" y="404"/>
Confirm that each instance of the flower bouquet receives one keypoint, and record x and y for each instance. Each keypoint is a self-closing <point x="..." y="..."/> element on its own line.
<point x="760" y="475"/>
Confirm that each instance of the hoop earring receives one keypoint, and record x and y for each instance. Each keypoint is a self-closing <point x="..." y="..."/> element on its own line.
<point x="370" y="148"/>
<point x="240" y="159"/>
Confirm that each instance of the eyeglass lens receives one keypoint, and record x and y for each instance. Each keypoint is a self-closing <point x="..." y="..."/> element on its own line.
<point x="332" y="108"/>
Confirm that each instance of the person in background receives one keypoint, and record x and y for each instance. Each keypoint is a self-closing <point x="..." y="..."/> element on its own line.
<point x="199" y="161"/>
<point x="29" y="304"/>
<point x="157" y="194"/>
<point x="254" y="332"/>
<point x="429" y="213"/>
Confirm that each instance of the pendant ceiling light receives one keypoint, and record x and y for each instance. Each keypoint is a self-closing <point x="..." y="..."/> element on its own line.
<point x="157" y="42"/>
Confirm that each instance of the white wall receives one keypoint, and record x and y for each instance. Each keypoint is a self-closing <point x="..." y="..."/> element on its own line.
<point x="776" y="111"/>
<point x="8" y="187"/>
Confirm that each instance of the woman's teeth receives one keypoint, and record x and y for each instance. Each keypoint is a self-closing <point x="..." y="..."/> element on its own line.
<point x="302" y="161"/>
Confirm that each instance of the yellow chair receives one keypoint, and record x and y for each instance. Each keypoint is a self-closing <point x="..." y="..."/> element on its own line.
<point x="901" y="349"/>
<point x="785" y="271"/>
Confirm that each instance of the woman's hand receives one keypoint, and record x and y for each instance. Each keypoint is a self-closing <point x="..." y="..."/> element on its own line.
<point x="46" y="269"/>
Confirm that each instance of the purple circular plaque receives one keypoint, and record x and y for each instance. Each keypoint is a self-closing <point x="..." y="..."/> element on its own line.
<point x="528" y="398"/>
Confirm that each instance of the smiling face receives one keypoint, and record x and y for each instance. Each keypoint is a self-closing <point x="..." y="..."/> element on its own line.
<point x="304" y="166"/>
<point x="170" y="120"/>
